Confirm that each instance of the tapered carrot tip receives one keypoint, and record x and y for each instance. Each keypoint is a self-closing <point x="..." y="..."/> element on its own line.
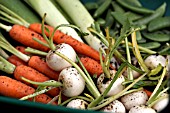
<point x="92" y="66"/>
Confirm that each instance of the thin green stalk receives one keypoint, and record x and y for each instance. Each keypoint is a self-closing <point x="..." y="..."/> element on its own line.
<point x="52" y="83"/>
<point x="143" y="49"/>
<point x="5" y="66"/>
<point x="35" y="51"/>
<point x="116" y="52"/>
<point x="10" y="18"/>
<point x="7" y="20"/>
<point x="36" y="93"/>
<point x="129" y="70"/>
<point x="3" y="53"/>
<point x="157" y="100"/>
<point x="137" y="52"/>
<point x="54" y="99"/>
<point x="5" y="27"/>
<point x="7" y="46"/>
<point x="157" y="88"/>
<point x="13" y="16"/>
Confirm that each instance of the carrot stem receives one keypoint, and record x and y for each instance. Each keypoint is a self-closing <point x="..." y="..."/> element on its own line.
<point x="6" y="66"/>
<point x="5" y="27"/>
<point x="7" y="46"/>
<point x="46" y="83"/>
<point x="13" y="16"/>
<point x="3" y="53"/>
<point x="10" y="18"/>
<point x="35" y="51"/>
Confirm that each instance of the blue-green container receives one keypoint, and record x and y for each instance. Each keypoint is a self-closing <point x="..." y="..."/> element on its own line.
<point x="10" y="104"/>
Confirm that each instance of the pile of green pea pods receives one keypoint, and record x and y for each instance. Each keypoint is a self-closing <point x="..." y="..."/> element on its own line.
<point x="155" y="34"/>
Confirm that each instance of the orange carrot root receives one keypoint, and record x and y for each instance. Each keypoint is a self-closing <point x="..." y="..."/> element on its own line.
<point x="39" y="64"/>
<point x="25" y="36"/>
<point x="16" y="89"/>
<point x="92" y="66"/>
<point x="22" y="50"/>
<point x="16" y="61"/>
<point x="149" y="93"/>
<point x="33" y="75"/>
<point x="60" y="37"/>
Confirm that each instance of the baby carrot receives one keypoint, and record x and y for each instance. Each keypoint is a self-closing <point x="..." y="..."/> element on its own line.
<point x="60" y="37"/>
<point x="16" y="89"/>
<point x="92" y="66"/>
<point x="15" y="60"/>
<point x="33" y="75"/>
<point x="25" y="36"/>
<point x="40" y="64"/>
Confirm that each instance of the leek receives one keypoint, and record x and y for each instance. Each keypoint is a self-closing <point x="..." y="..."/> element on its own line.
<point x="54" y="17"/>
<point x="21" y="9"/>
<point x="82" y="18"/>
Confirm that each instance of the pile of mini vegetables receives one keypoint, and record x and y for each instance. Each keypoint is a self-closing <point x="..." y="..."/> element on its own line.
<point x="128" y="74"/>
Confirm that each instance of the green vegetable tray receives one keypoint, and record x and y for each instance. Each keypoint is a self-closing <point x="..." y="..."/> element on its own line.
<point x="11" y="104"/>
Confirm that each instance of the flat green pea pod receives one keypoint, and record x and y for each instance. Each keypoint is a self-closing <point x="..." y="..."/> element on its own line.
<point x="119" y="17"/>
<point x="141" y="41"/>
<point x="117" y="7"/>
<point x="99" y="11"/>
<point x="159" y="23"/>
<point x="109" y="19"/>
<point x="133" y="16"/>
<point x="150" y="45"/>
<point x="158" y="37"/>
<point x="134" y="8"/>
<point x="159" y="12"/>
<point x="91" y="5"/>
<point x="135" y="3"/>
